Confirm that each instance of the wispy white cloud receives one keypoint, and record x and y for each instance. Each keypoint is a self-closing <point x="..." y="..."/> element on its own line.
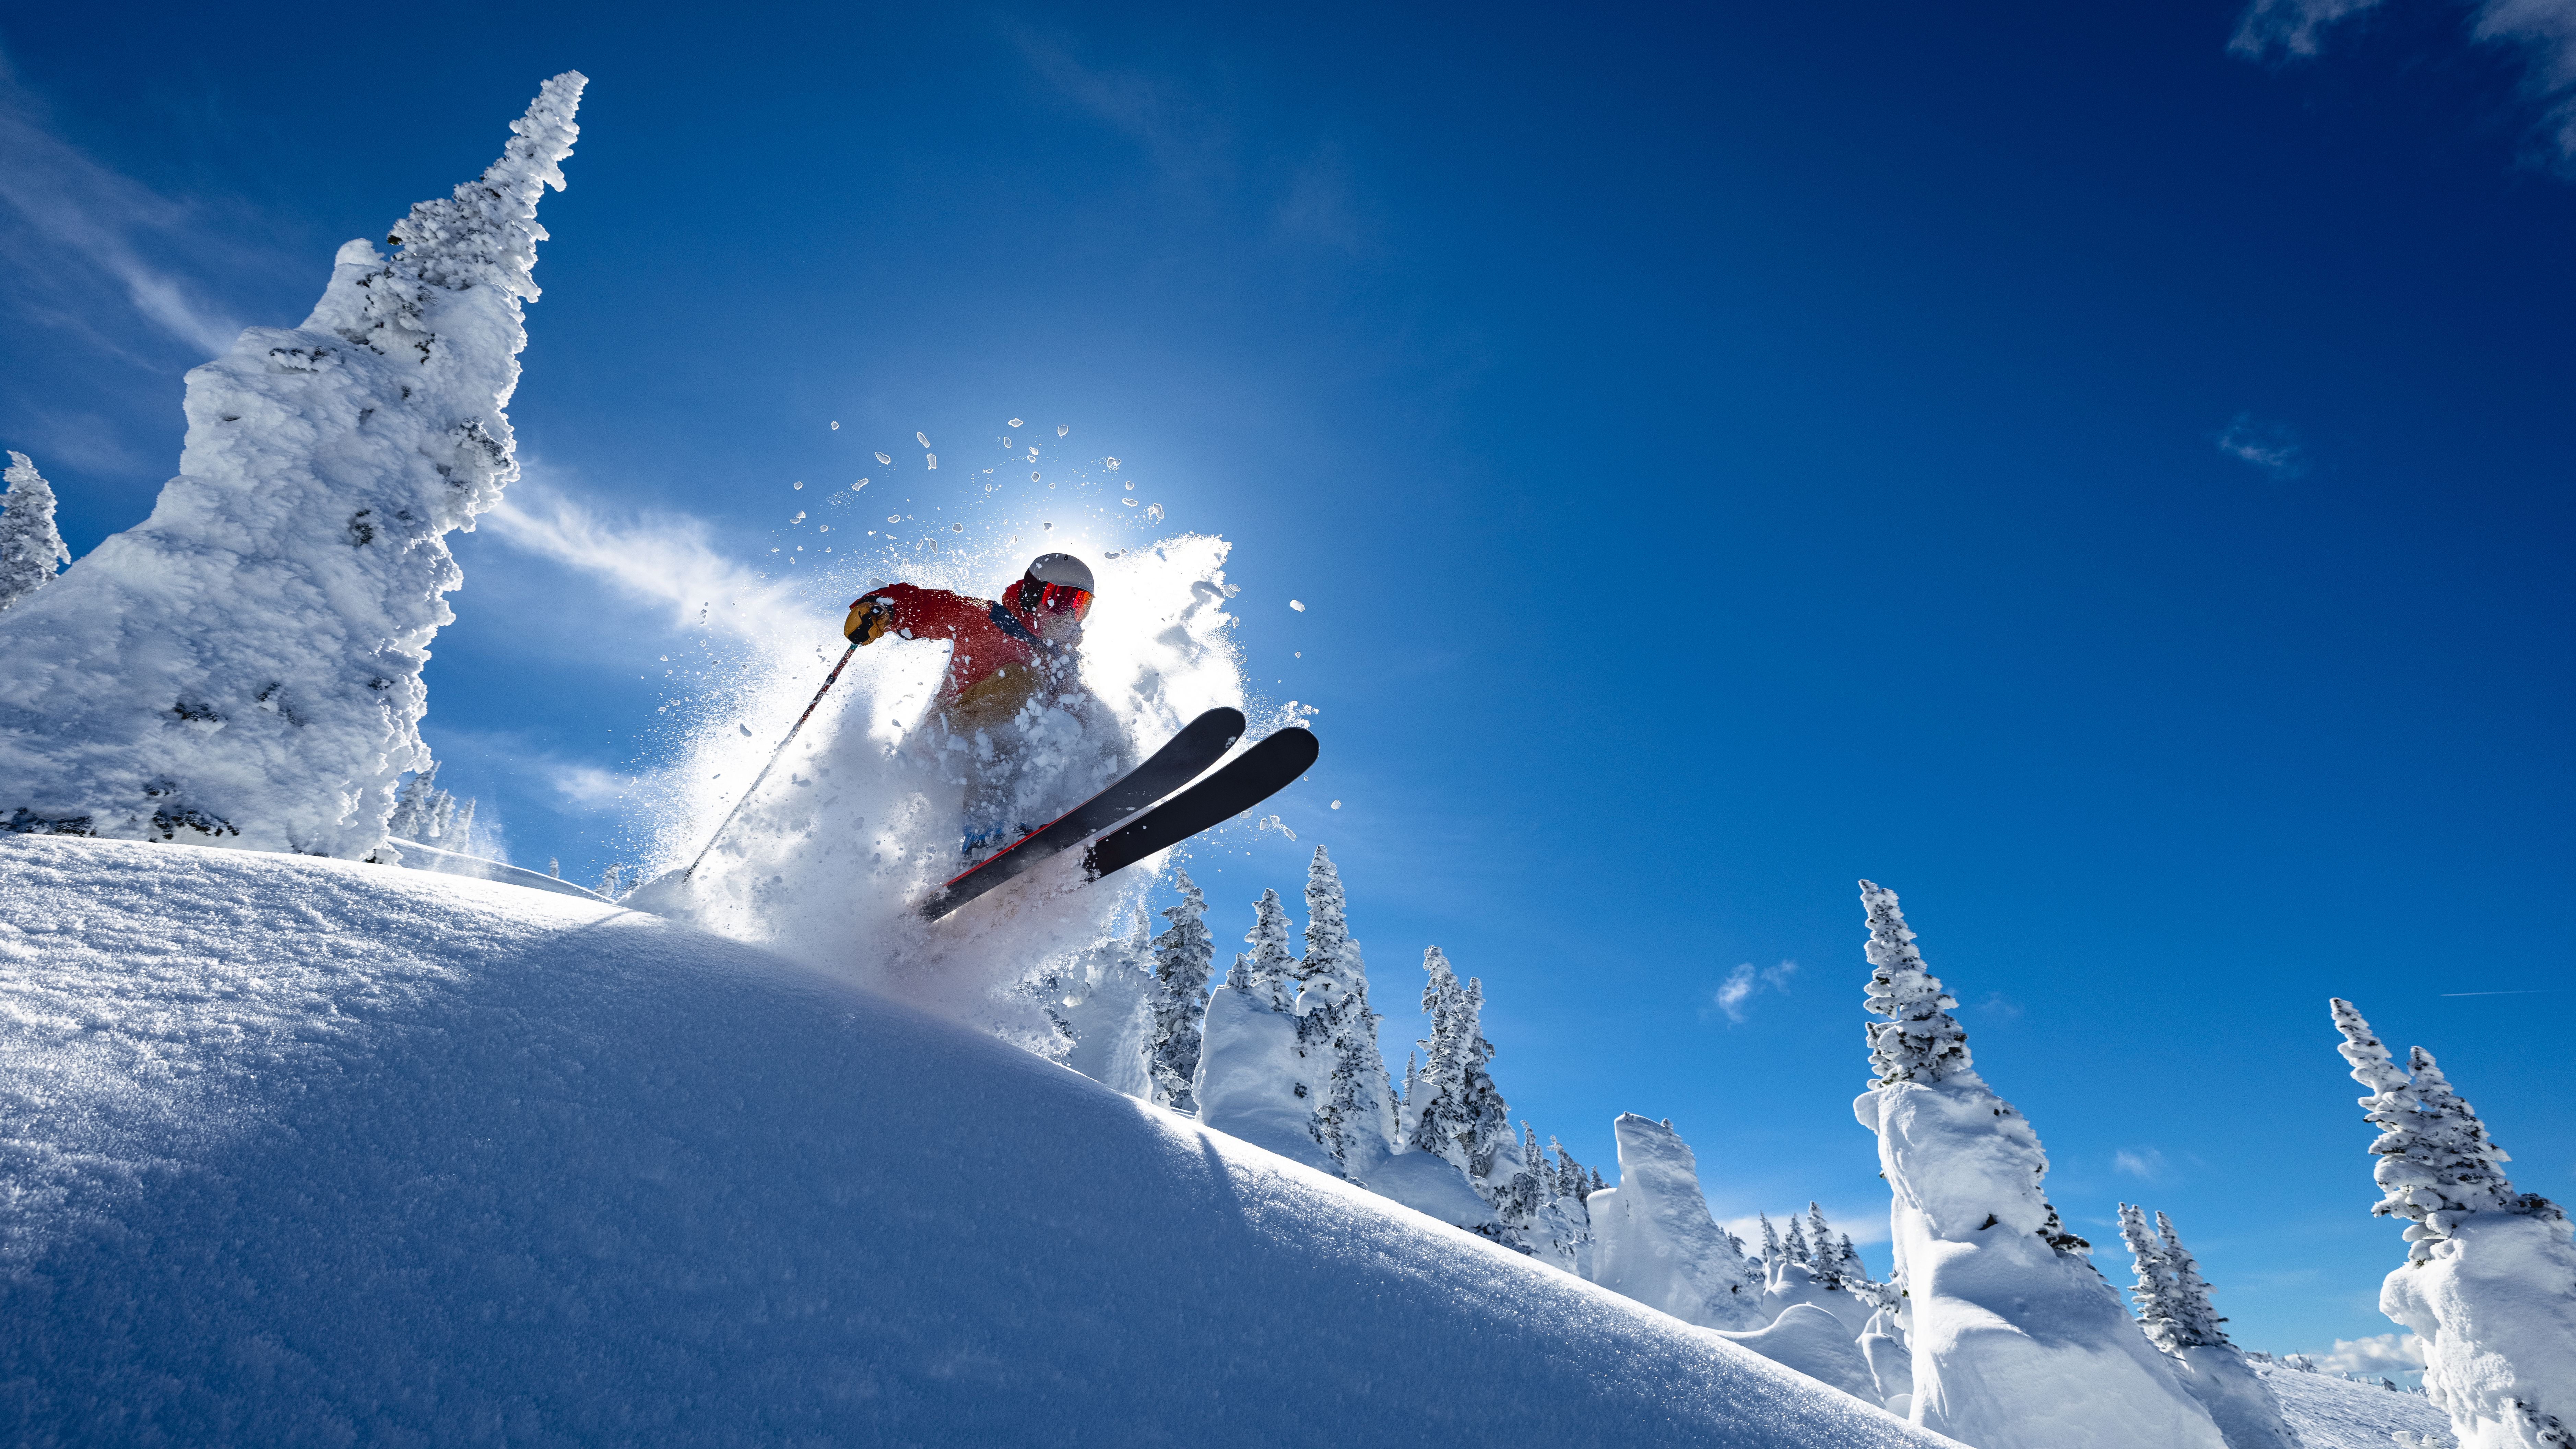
<point x="661" y="558"/>
<point x="1747" y="981"/>
<point x="2546" y="32"/>
<point x="2386" y="1353"/>
<point x="2289" y="26"/>
<point x="2271" y="447"/>
<point x="1188" y="140"/>
<point x="2149" y="1164"/>
<point x="75" y="224"/>
<point x="2543" y="30"/>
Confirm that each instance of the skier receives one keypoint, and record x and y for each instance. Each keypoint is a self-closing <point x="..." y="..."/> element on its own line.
<point x="1008" y="654"/>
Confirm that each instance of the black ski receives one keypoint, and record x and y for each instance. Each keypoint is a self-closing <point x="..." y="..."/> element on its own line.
<point x="1265" y="770"/>
<point x="1201" y="743"/>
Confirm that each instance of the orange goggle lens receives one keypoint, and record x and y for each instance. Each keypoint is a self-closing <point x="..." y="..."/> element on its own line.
<point x="1065" y="599"/>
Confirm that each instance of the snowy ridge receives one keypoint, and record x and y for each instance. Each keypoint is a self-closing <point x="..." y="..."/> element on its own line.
<point x="307" y="1150"/>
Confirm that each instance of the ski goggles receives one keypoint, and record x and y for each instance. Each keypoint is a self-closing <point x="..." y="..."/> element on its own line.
<point x="1065" y="599"/>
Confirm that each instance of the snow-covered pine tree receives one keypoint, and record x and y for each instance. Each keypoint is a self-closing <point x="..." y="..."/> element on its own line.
<point x="1183" y="955"/>
<point x="245" y="665"/>
<point x="422" y="811"/>
<point x="1517" y="1197"/>
<point x="2175" y="1311"/>
<point x="1563" y="1235"/>
<point x="1460" y="1115"/>
<point x="31" y="547"/>
<point x="2017" y="1342"/>
<point x="1271" y="973"/>
<point x="1238" y="977"/>
<point x="2194" y="1316"/>
<point x="2489" y="1282"/>
<point x="1920" y="1041"/>
<point x="1570" y="1182"/>
<point x="1820" y="1247"/>
<point x="1847" y="1264"/>
<point x="1355" y="1120"/>
<point x="1770" y="1241"/>
<point x="2153" y="1289"/>
<point x="1794" y="1248"/>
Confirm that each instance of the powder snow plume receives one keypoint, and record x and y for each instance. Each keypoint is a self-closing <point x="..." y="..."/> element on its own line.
<point x="862" y="814"/>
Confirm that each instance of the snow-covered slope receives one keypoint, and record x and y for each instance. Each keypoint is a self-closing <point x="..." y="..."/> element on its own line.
<point x="306" y="1151"/>
<point x="2337" y="1413"/>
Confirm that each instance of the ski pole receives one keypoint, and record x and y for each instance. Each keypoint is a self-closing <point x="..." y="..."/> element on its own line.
<point x="754" y="786"/>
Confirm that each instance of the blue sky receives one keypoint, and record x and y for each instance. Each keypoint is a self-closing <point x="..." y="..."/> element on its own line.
<point x="2111" y="490"/>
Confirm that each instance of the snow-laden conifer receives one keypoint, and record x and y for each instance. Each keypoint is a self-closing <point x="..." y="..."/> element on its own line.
<point x="2178" y="1317"/>
<point x="1270" y="972"/>
<point x="1794" y="1249"/>
<point x="1459" y="1114"/>
<point x="245" y="665"/>
<point x="1919" y="1041"/>
<point x="1183" y="956"/>
<point x="2489" y="1282"/>
<point x="2195" y="1320"/>
<point x="1770" y="1241"/>
<point x="1820" y="1245"/>
<point x="422" y="811"/>
<point x="2153" y="1289"/>
<point x="1355" y="1120"/>
<point x="31" y="547"/>
<point x="1563" y="1233"/>
<point x="2017" y="1343"/>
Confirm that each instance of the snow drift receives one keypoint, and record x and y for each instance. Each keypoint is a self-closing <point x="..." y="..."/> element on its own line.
<point x="309" y="1151"/>
<point x="245" y="665"/>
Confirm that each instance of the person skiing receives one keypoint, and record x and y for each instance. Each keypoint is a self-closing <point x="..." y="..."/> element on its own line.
<point x="1007" y="654"/>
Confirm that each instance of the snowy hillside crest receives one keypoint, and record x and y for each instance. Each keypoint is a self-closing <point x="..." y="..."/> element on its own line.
<point x="245" y="666"/>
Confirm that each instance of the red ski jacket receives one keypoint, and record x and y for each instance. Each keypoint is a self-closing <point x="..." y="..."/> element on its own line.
<point x="997" y="663"/>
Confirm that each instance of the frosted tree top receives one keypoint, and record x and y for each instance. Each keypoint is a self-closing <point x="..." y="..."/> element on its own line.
<point x="1919" y="1041"/>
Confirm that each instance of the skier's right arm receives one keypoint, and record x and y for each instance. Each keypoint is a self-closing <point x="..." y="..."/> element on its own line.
<point x="908" y="611"/>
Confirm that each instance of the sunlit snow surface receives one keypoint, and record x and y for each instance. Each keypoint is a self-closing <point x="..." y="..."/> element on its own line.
<point x="303" y="1151"/>
<point x="2338" y="1413"/>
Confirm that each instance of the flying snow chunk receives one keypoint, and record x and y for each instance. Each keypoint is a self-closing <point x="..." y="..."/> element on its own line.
<point x="800" y="483"/>
<point x="1113" y="465"/>
<point x="1016" y="423"/>
<point x="933" y="459"/>
<point x="836" y="427"/>
<point x="956" y="528"/>
<point x="1154" y="511"/>
<point x="1130" y="502"/>
<point x="1337" y="804"/>
<point x="886" y="458"/>
<point x="799" y="518"/>
<point x="922" y="438"/>
<point x="862" y="483"/>
<point x="746" y="729"/>
<point x="894" y="518"/>
<point x="1048" y="526"/>
<point x="1063" y="428"/>
<point x="1300" y="608"/>
<point x="1033" y="477"/>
